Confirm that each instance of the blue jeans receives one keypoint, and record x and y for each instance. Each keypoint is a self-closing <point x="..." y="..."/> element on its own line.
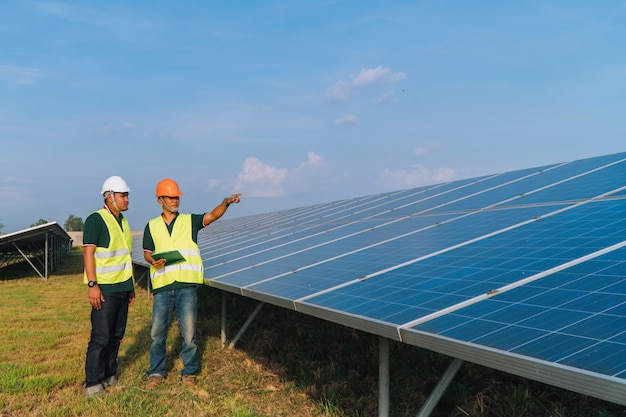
<point x="107" y="330"/>
<point x="184" y="301"/>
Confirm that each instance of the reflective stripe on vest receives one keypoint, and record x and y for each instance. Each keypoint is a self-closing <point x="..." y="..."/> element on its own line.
<point x="192" y="269"/>
<point x="114" y="263"/>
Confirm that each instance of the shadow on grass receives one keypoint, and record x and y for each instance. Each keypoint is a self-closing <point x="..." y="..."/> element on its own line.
<point x="18" y="270"/>
<point x="21" y="269"/>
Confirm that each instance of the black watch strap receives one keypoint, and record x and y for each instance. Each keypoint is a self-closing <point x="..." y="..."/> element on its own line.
<point x="91" y="284"/>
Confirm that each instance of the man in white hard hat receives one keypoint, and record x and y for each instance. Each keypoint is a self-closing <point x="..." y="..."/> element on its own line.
<point x="107" y="247"/>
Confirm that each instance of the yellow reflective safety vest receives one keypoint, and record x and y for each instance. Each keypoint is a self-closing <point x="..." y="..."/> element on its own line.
<point x="114" y="264"/>
<point x="192" y="269"/>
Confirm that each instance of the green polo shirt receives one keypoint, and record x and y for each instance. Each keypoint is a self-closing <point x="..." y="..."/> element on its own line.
<point x="96" y="232"/>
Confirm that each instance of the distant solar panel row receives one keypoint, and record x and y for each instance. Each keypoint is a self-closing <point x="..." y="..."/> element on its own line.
<point x="522" y="271"/>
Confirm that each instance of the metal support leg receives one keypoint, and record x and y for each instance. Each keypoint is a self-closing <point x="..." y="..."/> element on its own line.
<point x="47" y="253"/>
<point x="246" y="324"/>
<point x="148" y="282"/>
<point x="28" y="260"/>
<point x="440" y="388"/>
<point x="223" y="330"/>
<point x="383" y="377"/>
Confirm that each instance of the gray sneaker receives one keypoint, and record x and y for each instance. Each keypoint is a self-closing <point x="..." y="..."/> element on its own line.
<point x="110" y="381"/>
<point x="94" y="390"/>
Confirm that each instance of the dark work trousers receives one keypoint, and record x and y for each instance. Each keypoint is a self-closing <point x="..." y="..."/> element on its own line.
<point x="107" y="330"/>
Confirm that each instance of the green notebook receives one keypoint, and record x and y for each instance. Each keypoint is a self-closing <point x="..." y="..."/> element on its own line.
<point x="171" y="257"/>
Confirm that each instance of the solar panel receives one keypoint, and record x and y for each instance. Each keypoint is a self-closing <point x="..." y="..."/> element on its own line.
<point x="42" y="247"/>
<point x="521" y="271"/>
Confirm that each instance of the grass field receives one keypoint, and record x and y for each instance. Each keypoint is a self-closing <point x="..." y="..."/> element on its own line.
<point x="287" y="364"/>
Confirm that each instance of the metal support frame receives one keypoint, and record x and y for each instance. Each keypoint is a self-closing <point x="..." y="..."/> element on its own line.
<point x="383" y="355"/>
<point x="148" y="282"/>
<point x="440" y="388"/>
<point x="383" y="366"/>
<point x="223" y="327"/>
<point x="42" y="247"/>
<point x="383" y="377"/>
<point x="243" y="328"/>
<point x="45" y="278"/>
<point x="47" y="252"/>
<point x="246" y="324"/>
<point x="47" y="256"/>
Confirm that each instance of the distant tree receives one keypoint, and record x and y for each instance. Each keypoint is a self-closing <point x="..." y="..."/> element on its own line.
<point x="74" y="224"/>
<point x="1" y="227"/>
<point x="39" y="222"/>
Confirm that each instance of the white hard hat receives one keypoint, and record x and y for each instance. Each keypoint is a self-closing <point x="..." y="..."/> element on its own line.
<point x="115" y="184"/>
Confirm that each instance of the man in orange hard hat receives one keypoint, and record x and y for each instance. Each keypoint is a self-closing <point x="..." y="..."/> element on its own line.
<point x="108" y="274"/>
<point x="175" y="284"/>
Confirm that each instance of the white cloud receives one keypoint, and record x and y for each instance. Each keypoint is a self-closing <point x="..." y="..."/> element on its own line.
<point x="346" y="120"/>
<point x="312" y="174"/>
<point x="370" y="76"/>
<point x="416" y="176"/>
<point x="444" y="175"/>
<point x="387" y="97"/>
<point x="217" y="184"/>
<point x="17" y="180"/>
<point x="313" y="161"/>
<point x="420" y="151"/>
<point x="213" y="183"/>
<point x="19" y="75"/>
<point x="426" y="150"/>
<point x="258" y="179"/>
<point x="343" y="91"/>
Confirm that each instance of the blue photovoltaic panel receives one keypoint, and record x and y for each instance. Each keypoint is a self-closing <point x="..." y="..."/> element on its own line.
<point x="474" y="195"/>
<point x="395" y="252"/>
<point x="575" y="317"/>
<point x="442" y="281"/>
<point x="521" y="271"/>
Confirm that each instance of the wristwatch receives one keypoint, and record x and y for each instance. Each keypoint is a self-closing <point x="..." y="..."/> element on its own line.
<point x="91" y="284"/>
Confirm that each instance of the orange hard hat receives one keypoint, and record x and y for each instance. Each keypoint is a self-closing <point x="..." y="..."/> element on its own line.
<point x="167" y="188"/>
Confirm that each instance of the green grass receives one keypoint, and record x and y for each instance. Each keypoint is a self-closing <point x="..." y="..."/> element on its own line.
<point x="287" y="364"/>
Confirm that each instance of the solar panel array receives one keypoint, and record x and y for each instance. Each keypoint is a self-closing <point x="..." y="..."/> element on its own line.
<point x="522" y="271"/>
<point x="42" y="246"/>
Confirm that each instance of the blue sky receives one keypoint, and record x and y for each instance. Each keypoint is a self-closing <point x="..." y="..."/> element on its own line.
<point x="295" y="103"/>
